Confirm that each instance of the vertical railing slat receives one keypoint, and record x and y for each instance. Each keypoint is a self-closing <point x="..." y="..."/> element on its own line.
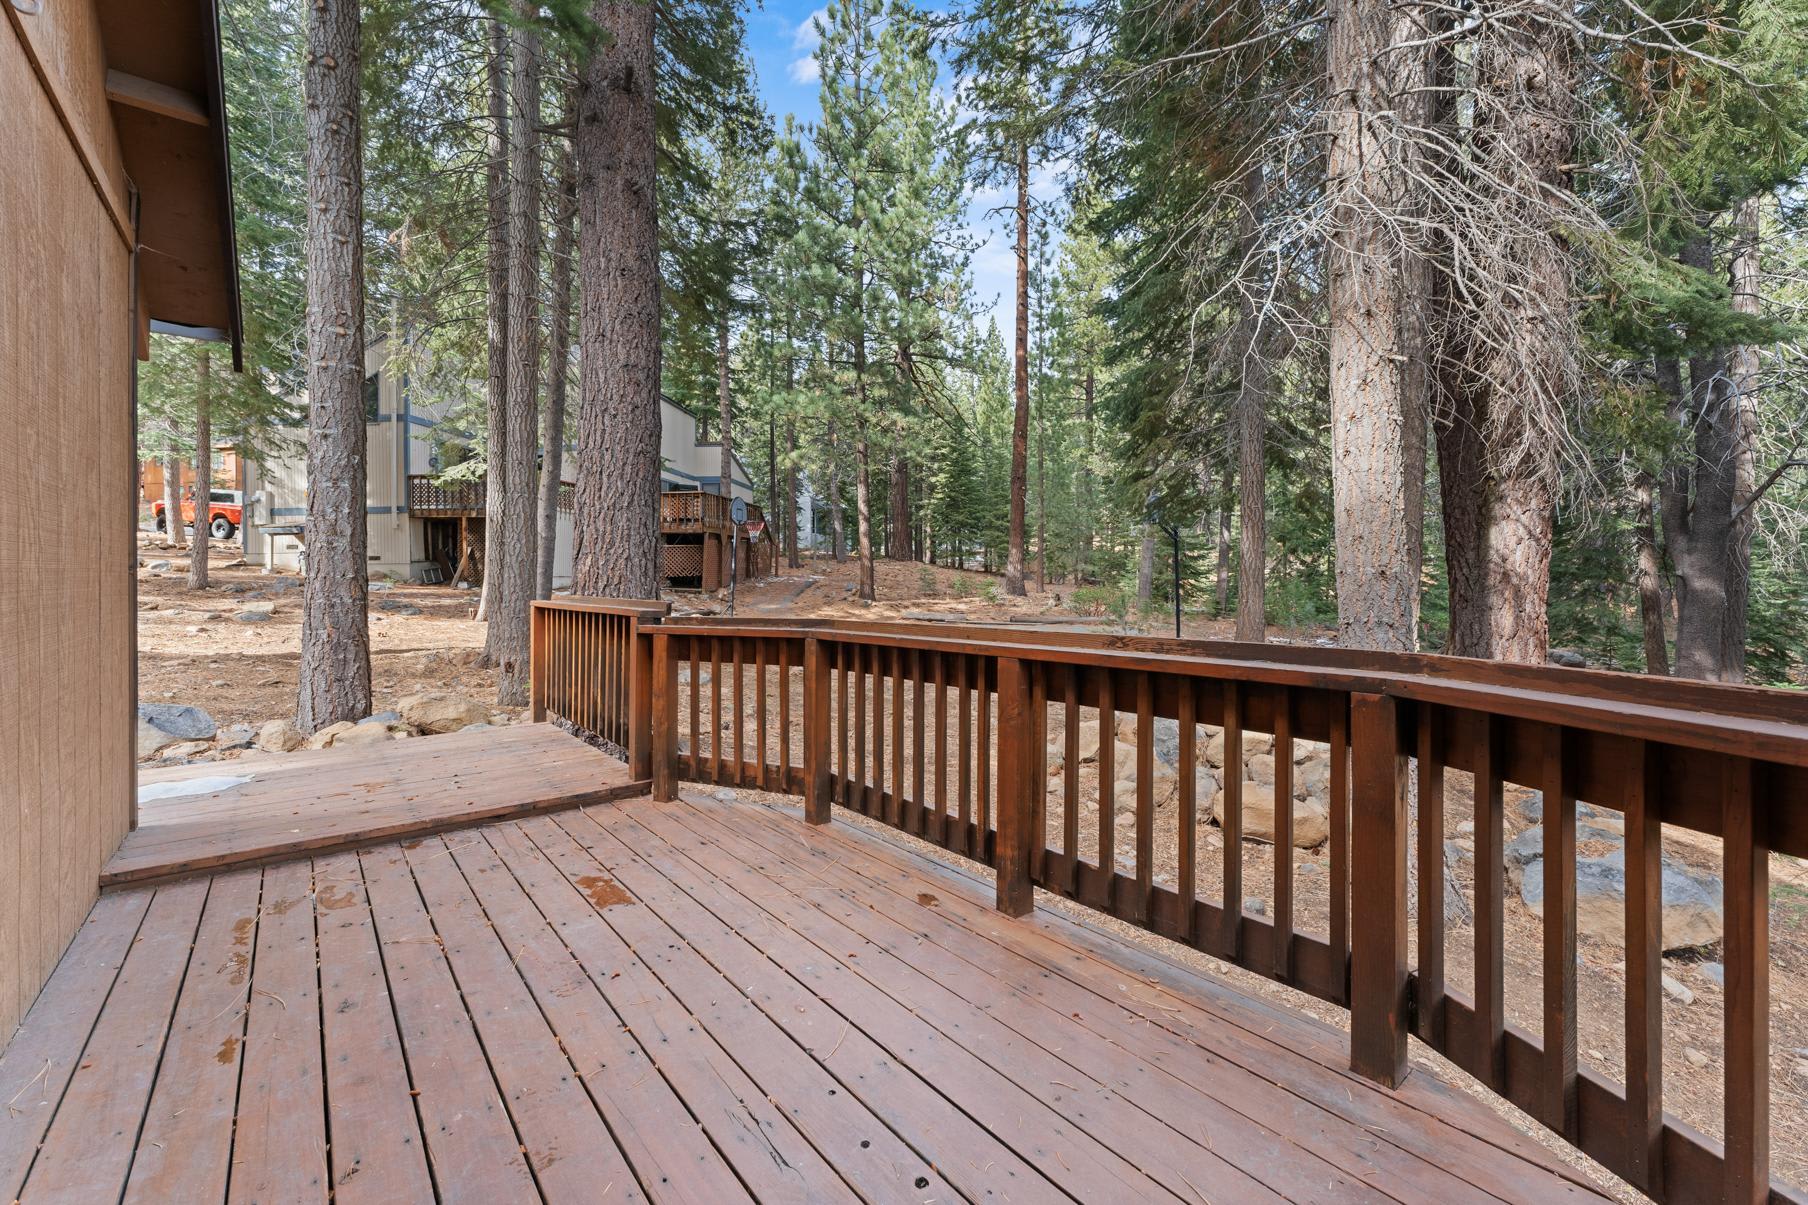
<point x="1559" y="1072"/>
<point x="939" y="826"/>
<point x="1747" y="959"/>
<point x="1430" y="995"/>
<point x="1339" y="903"/>
<point x="1038" y="768"/>
<point x="1490" y="906"/>
<point x="1145" y="798"/>
<point x="918" y="821"/>
<point x="1070" y="776"/>
<point x="1107" y="760"/>
<point x="1186" y="720"/>
<point x="1378" y="1020"/>
<point x="1283" y="835"/>
<point x="1644" y="974"/>
<point x="1231" y="822"/>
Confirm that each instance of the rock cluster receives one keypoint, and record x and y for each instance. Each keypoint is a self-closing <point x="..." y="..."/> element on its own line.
<point x="173" y="732"/>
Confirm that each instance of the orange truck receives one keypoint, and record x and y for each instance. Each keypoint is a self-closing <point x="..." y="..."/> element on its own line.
<point x="226" y="511"/>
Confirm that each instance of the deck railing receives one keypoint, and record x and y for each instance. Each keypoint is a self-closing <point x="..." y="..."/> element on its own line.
<point x="590" y="662"/>
<point x="948" y="733"/>
<point x="696" y="510"/>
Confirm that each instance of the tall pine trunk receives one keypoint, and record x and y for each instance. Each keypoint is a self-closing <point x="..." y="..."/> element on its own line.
<point x="1650" y="578"/>
<point x="724" y="411"/>
<point x="335" y="625"/>
<point x="1020" y="419"/>
<point x="1252" y="419"/>
<point x="898" y="541"/>
<point x="558" y="375"/>
<point x="1373" y="78"/>
<point x="510" y="617"/>
<point x="197" y="561"/>
<point x="837" y="522"/>
<point x="1145" y="569"/>
<point x="172" y="492"/>
<point x="617" y="506"/>
<point x="1742" y="370"/>
<point x="792" y="558"/>
<point x="496" y="332"/>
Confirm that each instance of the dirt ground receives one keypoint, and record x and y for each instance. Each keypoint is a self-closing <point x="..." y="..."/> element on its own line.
<point x="192" y="650"/>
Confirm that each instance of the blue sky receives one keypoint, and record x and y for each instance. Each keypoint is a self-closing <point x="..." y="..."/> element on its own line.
<point x="782" y="42"/>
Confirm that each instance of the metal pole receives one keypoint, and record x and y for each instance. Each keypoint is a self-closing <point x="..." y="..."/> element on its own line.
<point x="1174" y="534"/>
<point x="734" y="540"/>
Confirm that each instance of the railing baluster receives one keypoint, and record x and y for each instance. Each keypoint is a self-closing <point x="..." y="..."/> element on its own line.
<point x="1559" y="1073"/>
<point x="738" y="649"/>
<point x="1016" y="896"/>
<point x="1038" y="769"/>
<point x="715" y="709"/>
<point x="1490" y="914"/>
<point x="784" y="713"/>
<point x="1644" y="972"/>
<point x="841" y="723"/>
<point x="1430" y="995"/>
<point x="1232" y="822"/>
<point x="1107" y="788"/>
<point x="664" y="705"/>
<point x="1747" y="1015"/>
<point x="694" y="761"/>
<point x="817" y="674"/>
<point x="1145" y="799"/>
<point x="894" y="814"/>
<point x="939" y="825"/>
<point x="1070" y="775"/>
<point x="917" y="798"/>
<point x="965" y="770"/>
<point x="858" y="791"/>
<point x="1283" y="835"/>
<point x="759" y="713"/>
<point x="1378" y="959"/>
<point x="877" y="807"/>
<point x="1188" y="871"/>
<point x="1339" y="903"/>
<point x="982" y="667"/>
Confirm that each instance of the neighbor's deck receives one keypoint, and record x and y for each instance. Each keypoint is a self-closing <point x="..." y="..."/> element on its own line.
<point x="698" y="1000"/>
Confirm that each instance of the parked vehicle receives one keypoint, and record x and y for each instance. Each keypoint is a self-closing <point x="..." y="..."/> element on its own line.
<point x="226" y="513"/>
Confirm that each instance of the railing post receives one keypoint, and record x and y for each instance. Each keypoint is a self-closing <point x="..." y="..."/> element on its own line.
<point x="660" y="717"/>
<point x="817" y="688"/>
<point x="641" y="715"/>
<point x="1016" y="897"/>
<point x="1378" y="938"/>
<point x="536" y="663"/>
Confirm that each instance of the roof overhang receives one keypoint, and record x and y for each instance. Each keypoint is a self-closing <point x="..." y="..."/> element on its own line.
<point x="167" y="93"/>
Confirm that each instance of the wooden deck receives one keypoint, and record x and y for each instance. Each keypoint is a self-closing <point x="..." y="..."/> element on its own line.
<point x="691" y="1001"/>
<point x="302" y="803"/>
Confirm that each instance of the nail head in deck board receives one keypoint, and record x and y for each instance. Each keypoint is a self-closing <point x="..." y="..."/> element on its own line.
<point x="279" y="1147"/>
<point x="471" y="1145"/>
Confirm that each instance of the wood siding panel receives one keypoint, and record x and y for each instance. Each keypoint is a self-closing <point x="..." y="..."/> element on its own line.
<point x="65" y="587"/>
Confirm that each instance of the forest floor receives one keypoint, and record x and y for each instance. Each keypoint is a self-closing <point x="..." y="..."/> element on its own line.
<point x="196" y="649"/>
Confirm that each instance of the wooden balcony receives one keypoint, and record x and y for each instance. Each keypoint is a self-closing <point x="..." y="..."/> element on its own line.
<point x="690" y="511"/>
<point x="429" y="498"/>
<point x="506" y="966"/>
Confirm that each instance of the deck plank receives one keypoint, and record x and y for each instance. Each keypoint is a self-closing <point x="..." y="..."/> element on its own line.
<point x="1425" y="1118"/>
<point x="472" y="1146"/>
<point x="992" y="1010"/>
<point x="864" y="1151"/>
<point x="44" y="1052"/>
<point x="671" y="1154"/>
<point x="88" y="1150"/>
<point x="756" y="1137"/>
<point x="279" y="1148"/>
<point x="186" y="1146"/>
<point x="568" y="1145"/>
<point x="336" y="800"/>
<point x="377" y="1152"/>
<point x="1084" y="1139"/>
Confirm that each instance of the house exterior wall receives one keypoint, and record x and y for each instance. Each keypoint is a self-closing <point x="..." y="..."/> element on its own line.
<point x="67" y="642"/>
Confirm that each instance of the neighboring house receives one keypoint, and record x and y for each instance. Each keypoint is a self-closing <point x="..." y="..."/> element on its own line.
<point x="114" y="141"/>
<point x="421" y="528"/>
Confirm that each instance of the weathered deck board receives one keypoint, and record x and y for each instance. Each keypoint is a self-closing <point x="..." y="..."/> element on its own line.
<point x="686" y="1002"/>
<point x="339" y="799"/>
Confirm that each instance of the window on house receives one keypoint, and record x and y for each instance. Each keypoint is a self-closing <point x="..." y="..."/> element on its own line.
<point x="371" y="396"/>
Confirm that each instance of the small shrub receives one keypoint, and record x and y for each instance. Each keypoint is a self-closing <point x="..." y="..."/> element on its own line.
<point x="1106" y="600"/>
<point x="990" y="593"/>
<point x="926" y="583"/>
<point x="962" y="587"/>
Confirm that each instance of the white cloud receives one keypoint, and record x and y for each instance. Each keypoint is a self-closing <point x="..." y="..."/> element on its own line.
<point x="806" y="37"/>
<point x="805" y="70"/>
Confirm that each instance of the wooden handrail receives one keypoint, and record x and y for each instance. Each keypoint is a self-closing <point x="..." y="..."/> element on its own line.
<point x="947" y="732"/>
<point x="591" y="663"/>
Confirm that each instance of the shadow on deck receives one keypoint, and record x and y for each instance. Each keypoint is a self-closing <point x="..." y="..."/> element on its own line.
<point x="693" y="1000"/>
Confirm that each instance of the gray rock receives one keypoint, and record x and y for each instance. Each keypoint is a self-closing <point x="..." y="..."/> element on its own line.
<point x="251" y="617"/>
<point x="1528" y="847"/>
<point x="1568" y="658"/>
<point x="265" y="607"/>
<point x="379" y="587"/>
<point x="1255" y="905"/>
<point x="239" y="736"/>
<point x="1531" y="806"/>
<point x="1713" y="972"/>
<point x="392" y="607"/>
<point x="1692" y="913"/>
<point x="158" y="566"/>
<point x="161" y="724"/>
<point x="487" y="724"/>
<point x="383" y="717"/>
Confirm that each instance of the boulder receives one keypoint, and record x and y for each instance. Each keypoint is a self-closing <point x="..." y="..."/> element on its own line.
<point x="383" y="717"/>
<point x="252" y="617"/>
<point x="258" y="608"/>
<point x="161" y="724"/>
<point x="437" y="711"/>
<point x="362" y="734"/>
<point x="239" y="736"/>
<point x="1312" y="778"/>
<point x="1088" y="746"/>
<point x="279" y="736"/>
<point x="187" y="749"/>
<point x="1253" y="744"/>
<point x="1311" y="818"/>
<point x="326" y="736"/>
<point x="1692" y="912"/>
<point x="1568" y="658"/>
<point x="1260" y="768"/>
